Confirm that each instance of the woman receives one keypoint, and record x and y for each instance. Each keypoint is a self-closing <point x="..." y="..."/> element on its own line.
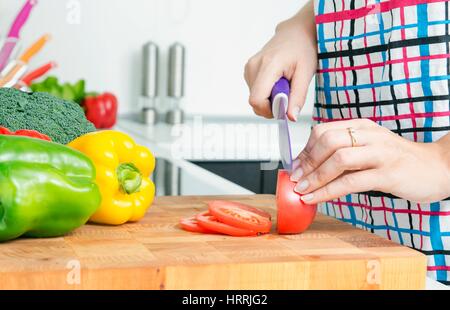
<point x="379" y="156"/>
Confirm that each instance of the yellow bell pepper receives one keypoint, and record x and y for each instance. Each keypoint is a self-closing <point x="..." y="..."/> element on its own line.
<point x="123" y="175"/>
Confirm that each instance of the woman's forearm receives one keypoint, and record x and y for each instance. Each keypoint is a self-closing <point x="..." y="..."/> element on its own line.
<point x="304" y="20"/>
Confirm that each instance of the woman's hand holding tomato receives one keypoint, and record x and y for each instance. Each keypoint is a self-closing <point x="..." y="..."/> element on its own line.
<point x="329" y="167"/>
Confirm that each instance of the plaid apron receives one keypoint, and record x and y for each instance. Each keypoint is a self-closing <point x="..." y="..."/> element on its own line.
<point x="389" y="61"/>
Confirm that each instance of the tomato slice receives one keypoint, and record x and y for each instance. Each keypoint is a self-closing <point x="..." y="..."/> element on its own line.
<point x="191" y="224"/>
<point x="242" y="206"/>
<point x="238" y="215"/>
<point x="294" y="216"/>
<point x="208" y="221"/>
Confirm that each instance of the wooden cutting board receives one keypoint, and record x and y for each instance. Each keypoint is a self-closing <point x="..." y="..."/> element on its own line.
<point x="156" y="254"/>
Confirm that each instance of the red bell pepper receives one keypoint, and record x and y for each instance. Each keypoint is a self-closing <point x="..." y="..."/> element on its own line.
<point x="24" y="133"/>
<point x="101" y="110"/>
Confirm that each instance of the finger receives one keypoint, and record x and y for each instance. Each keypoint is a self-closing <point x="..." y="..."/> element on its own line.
<point x="320" y="129"/>
<point x="356" y="182"/>
<point x="251" y="70"/>
<point x="269" y="73"/>
<point x="299" y="89"/>
<point x="343" y="160"/>
<point x="263" y="109"/>
<point x="327" y="145"/>
<point x="295" y="164"/>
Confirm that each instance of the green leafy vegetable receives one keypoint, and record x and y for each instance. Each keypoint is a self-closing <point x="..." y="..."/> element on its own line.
<point x="71" y="92"/>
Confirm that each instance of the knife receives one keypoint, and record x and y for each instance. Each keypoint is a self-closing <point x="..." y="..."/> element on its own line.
<point x="12" y="73"/>
<point x="279" y="101"/>
<point x="14" y="32"/>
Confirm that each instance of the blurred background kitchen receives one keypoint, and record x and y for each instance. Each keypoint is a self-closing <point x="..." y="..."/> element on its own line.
<point x="102" y="41"/>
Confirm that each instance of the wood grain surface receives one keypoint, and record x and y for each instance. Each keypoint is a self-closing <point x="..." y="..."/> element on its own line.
<point x="156" y="254"/>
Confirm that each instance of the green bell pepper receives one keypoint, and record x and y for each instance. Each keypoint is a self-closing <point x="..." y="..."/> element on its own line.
<point x="46" y="189"/>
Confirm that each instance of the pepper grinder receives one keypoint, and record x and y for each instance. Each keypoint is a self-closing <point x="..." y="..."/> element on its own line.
<point x="176" y="83"/>
<point x="150" y="83"/>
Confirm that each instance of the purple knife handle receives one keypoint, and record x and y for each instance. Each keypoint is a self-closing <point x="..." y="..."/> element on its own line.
<point x="281" y="87"/>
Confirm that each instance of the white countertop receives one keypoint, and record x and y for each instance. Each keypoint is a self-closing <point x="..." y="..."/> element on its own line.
<point x="220" y="139"/>
<point x="162" y="149"/>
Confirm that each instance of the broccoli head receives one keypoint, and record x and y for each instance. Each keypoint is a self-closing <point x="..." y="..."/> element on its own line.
<point x="61" y="120"/>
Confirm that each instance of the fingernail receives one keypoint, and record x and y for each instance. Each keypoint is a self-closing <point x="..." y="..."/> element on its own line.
<point x="308" y="197"/>
<point x="295" y="164"/>
<point x="296" y="175"/>
<point x="296" y="112"/>
<point x="302" y="187"/>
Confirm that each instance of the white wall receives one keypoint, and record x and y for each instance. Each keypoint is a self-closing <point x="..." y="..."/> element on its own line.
<point x="104" y="48"/>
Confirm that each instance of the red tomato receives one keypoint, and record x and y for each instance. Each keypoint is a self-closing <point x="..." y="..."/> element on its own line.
<point x="208" y="221"/>
<point x="32" y="134"/>
<point x="242" y="206"/>
<point x="5" y="131"/>
<point x="294" y="216"/>
<point x="191" y="224"/>
<point x="238" y="215"/>
<point x="24" y="133"/>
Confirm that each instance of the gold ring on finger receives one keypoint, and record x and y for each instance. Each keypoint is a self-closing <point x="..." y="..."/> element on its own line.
<point x="352" y="132"/>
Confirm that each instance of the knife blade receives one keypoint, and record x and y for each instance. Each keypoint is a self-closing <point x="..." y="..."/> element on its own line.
<point x="279" y="100"/>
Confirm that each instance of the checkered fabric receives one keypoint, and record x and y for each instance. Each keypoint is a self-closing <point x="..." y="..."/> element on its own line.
<point x="389" y="61"/>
